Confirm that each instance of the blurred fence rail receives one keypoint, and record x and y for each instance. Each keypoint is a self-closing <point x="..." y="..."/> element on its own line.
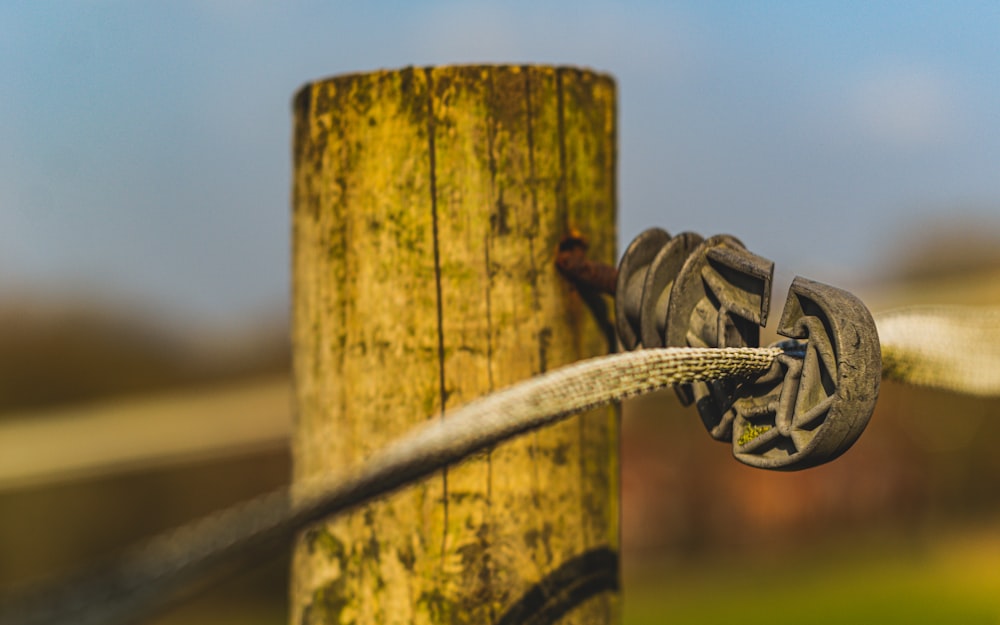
<point x="40" y="448"/>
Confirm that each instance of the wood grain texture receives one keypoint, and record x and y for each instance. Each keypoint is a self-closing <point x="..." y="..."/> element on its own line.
<point x="427" y="207"/>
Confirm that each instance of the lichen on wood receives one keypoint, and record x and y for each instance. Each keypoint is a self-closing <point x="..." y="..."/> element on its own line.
<point x="427" y="207"/>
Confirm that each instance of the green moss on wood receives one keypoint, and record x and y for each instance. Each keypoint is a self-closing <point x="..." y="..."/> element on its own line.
<point x="456" y="182"/>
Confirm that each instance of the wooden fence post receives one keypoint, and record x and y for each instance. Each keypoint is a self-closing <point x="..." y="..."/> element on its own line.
<point x="428" y="204"/>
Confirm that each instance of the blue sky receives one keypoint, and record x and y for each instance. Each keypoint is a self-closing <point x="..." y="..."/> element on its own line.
<point x="144" y="147"/>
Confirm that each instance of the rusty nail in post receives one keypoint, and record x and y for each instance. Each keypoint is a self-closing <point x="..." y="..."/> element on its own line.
<point x="572" y="262"/>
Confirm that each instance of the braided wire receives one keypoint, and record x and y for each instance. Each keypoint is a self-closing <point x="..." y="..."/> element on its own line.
<point x="953" y="348"/>
<point x="162" y="570"/>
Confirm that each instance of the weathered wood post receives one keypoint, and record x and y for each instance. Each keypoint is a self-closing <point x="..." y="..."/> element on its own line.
<point x="428" y="206"/>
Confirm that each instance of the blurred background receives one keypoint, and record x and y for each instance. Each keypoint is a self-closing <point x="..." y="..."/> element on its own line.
<point x="144" y="228"/>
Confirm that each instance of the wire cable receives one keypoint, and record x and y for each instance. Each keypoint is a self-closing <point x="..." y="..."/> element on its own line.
<point x="952" y="348"/>
<point x="153" y="575"/>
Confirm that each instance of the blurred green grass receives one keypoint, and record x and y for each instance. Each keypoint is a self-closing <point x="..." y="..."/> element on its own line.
<point x="947" y="579"/>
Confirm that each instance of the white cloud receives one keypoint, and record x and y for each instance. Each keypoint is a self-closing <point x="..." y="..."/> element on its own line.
<point x="906" y="107"/>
